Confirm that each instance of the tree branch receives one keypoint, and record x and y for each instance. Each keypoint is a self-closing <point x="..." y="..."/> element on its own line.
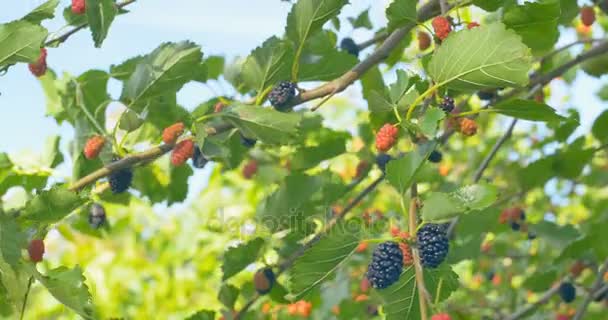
<point x="423" y="294"/>
<point x="597" y="286"/>
<point x="62" y="38"/>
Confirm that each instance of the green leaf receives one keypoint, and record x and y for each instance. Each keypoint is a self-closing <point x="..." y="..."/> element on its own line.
<point x="603" y="92"/>
<point x="600" y="129"/>
<point x="202" y="315"/>
<point x="309" y="157"/>
<point x="73" y="19"/>
<point x="52" y="156"/>
<point x="124" y="70"/>
<point x="399" y="88"/>
<point x="68" y="287"/>
<point x="401" y="12"/>
<point x="321" y="260"/>
<point x="322" y="61"/>
<point x="401" y="173"/>
<point x="541" y="280"/>
<point x="268" y="64"/>
<point x="489" y="5"/>
<point x="15" y="283"/>
<point x="100" y="14"/>
<point x="400" y="300"/>
<point x="163" y="71"/>
<point x="42" y="12"/>
<point x="378" y="102"/>
<point x="489" y="56"/>
<point x="362" y="21"/>
<point x="555" y="235"/>
<point x="228" y="295"/>
<point x="569" y="9"/>
<point x="12" y="240"/>
<point x="237" y="258"/>
<point x="308" y="17"/>
<point x="536" y="173"/>
<point x="211" y="68"/>
<point x="130" y="121"/>
<point x="430" y="121"/>
<point x="535" y="22"/>
<point x="440" y="206"/>
<point x="596" y="66"/>
<point x="527" y="110"/>
<point x="52" y="205"/>
<point x="20" y="41"/>
<point x="178" y="187"/>
<point x="264" y="124"/>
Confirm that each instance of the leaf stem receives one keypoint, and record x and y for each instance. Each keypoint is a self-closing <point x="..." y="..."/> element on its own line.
<point x="420" y="98"/>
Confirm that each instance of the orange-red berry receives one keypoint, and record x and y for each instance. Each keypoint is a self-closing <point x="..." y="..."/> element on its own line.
<point x="424" y="40"/>
<point x="36" y="250"/>
<point x="361" y="247"/>
<point x="442" y="27"/>
<point x="218" y="107"/>
<point x="386" y="137"/>
<point x="250" y="169"/>
<point x="93" y="146"/>
<point x="172" y="132"/>
<point x="441" y="316"/>
<point x="78" y="6"/>
<point x="39" y="67"/>
<point x="408" y="258"/>
<point x="182" y="152"/>
<point x="364" y="285"/>
<point x="587" y="16"/>
<point x="468" y="127"/>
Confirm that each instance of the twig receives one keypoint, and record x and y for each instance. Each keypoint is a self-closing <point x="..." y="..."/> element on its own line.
<point x="568" y="46"/>
<point x="27" y="294"/>
<point x="533" y="306"/>
<point x="494" y="151"/>
<point x="377" y="38"/>
<point x="413" y="222"/>
<point x="291" y="259"/>
<point x="597" y="286"/>
<point x="62" y="38"/>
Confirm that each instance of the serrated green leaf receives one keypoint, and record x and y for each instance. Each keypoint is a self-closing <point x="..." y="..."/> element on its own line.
<point x="541" y="280"/>
<point x="202" y="315"/>
<point x="130" y="121"/>
<point x="535" y="22"/>
<point x="73" y="19"/>
<point x="321" y="261"/>
<point x="308" y="16"/>
<point x="527" y="110"/>
<point x="377" y="102"/>
<point x="178" y="187"/>
<point x="361" y="21"/>
<point x="52" y="205"/>
<point x="328" y="148"/>
<point x="536" y="173"/>
<point x="400" y="300"/>
<point x="401" y="173"/>
<point x="124" y="70"/>
<point x="42" y="12"/>
<point x="52" y="156"/>
<point x="68" y="287"/>
<point x="401" y="12"/>
<point x="321" y="60"/>
<point x="596" y="66"/>
<point x="228" y="295"/>
<point x="430" y="121"/>
<point x="439" y="206"/>
<point x="12" y="240"/>
<point x="15" y="283"/>
<point x="100" y="14"/>
<point x="488" y="56"/>
<point x="268" y="64"/>
<point x="237" y="258"/>
<point x="264" y="124"/>
<point x="163" y="71"/>
<point x="600" y="127"/>
<point x="20" y="41"/>
<point x="399" y="88"/>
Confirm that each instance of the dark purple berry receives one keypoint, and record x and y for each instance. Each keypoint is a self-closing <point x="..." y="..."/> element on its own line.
<point x="433" y="244"/>
<point x="386" y="265"/>
<point x="447" y="105"/>
<point x="249" y="143"/>
<point x="121" y="180"/>
<point x="382" y="159"/>
<point x="198" y="159"/>
<point x="567" y="292"/>
<point x="281" y="95"/>
<point x="349" y="45"/>
<point x="435" y="156"/>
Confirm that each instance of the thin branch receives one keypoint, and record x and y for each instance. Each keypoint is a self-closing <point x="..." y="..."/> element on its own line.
<point x="289" y="261"/>
<point x="597" y="286"/>
<point x="494" y="151"/>
<point x="27" y="294"/>
<point x="377" y="38"/>
<point x="533" y="306"/>
<point x="423" y="294"/>
<point x="62" y="38"/>
<point x="568" y="46"/>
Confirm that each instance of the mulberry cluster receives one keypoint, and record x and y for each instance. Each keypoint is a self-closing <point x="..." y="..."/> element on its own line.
<point x="447" y="105"/>
<point x="349" y="45"/>
<point x="172" y="132"/>
<point x="433" y="244"/>
<point x="386" y="137"/>
<point x="78" y="6"/>
<point x="567" y="292"/>
<point x="442" y="27"/>
<point x="386" y="265"/>
<point x="93" y="147"/>
<point x="198" y="159"/>
<point x="587" y="16"/>
<point x="36" y="250"/>
<point x="121" y="180"/>
<point x="39" y="67"/>
<point x="424" y="40"/>
<point x="281" y="94"/>
<point x="263" y="280"/>
<point x="97" y="216"/>
<point x="435" y="156"/>
<point x="182" y="152"/>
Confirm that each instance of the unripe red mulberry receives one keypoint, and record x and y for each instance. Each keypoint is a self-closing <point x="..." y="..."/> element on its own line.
<point x="442" y="27"/>
<point x="408" y="258"/>
<point x="441" y="316"/>
<point x="468" y="127"/>
<point x="93" y="146"/>
<point x="424" y="40"/>
<point x="386" y="137"/>
<point x="218" y="107"/>
<point x="250" y="169"/>
<point x="182" y="152"/>
<point x="587" y="16"/>
<point x="78" y="6"/>
<point x="39" y="67"/>
<point x="472" y="25"/>
<point x="36" y="250"/>
<point x="172" y="132"/>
